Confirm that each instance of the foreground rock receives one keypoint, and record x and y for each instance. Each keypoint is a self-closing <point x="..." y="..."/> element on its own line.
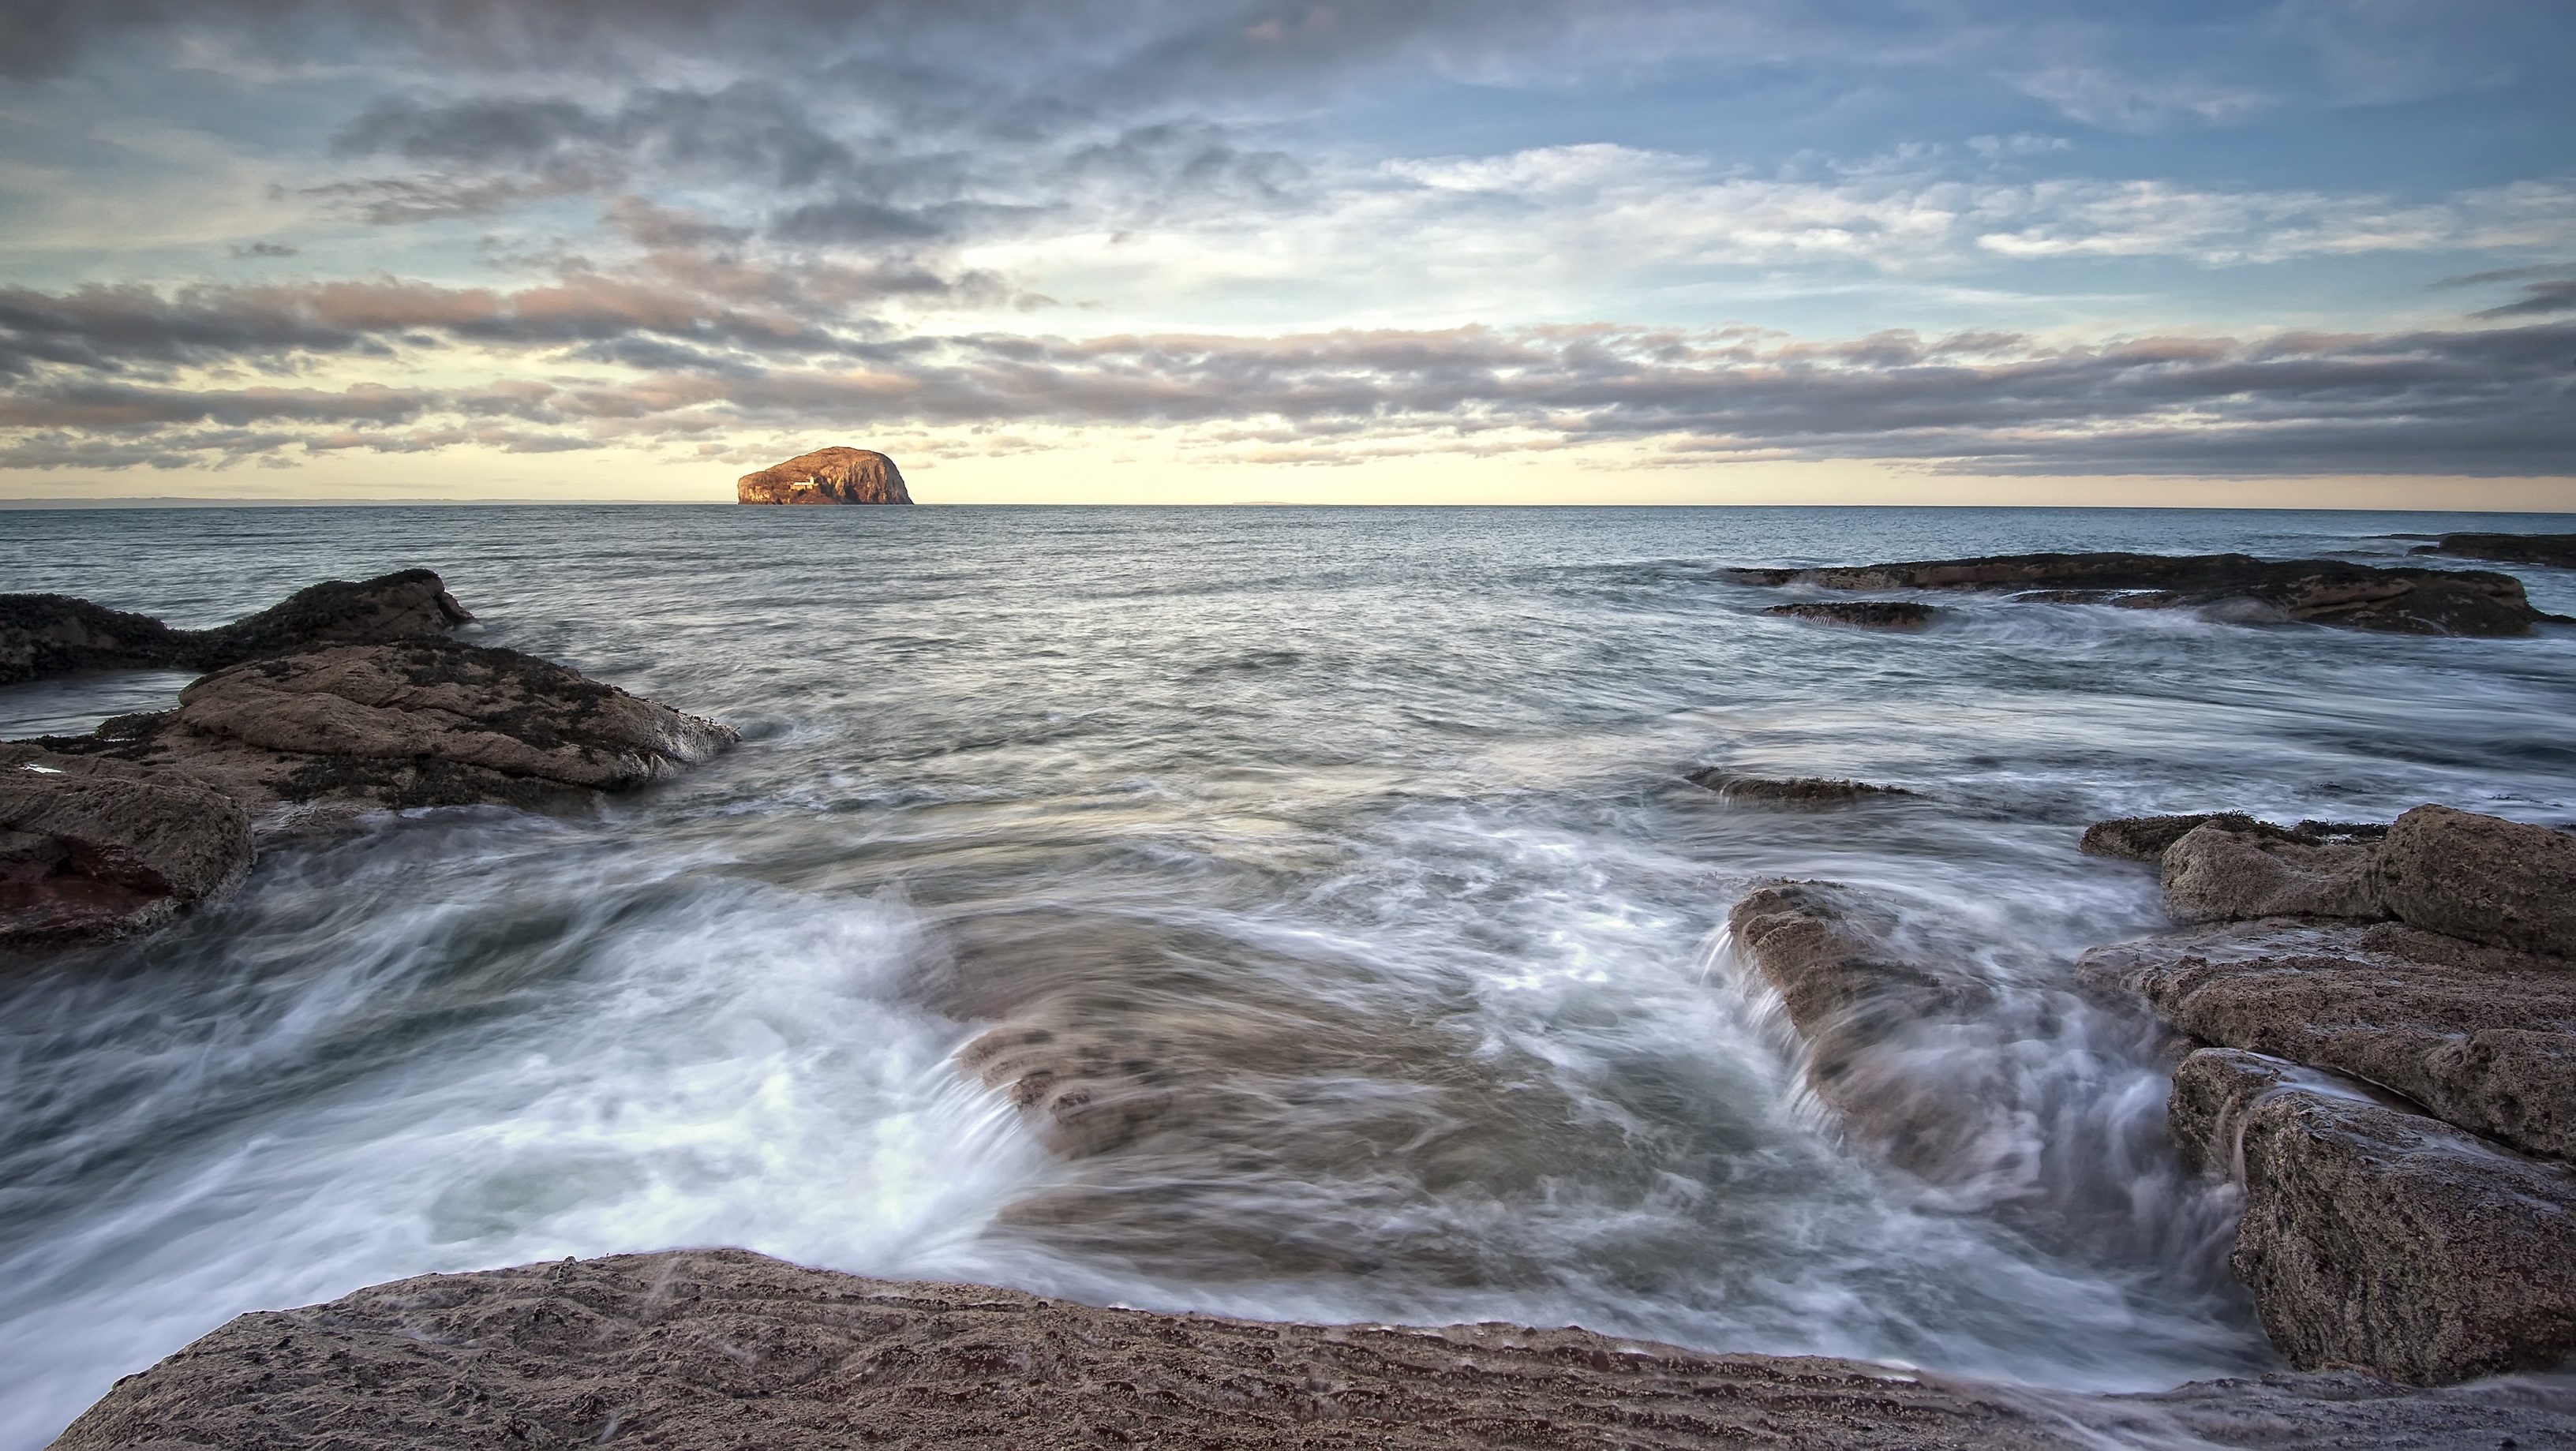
<point x="2398" y="1234"/>
<point x="51" y="634"/>
<point x="2551" y="549"/>
<point x="826" y="476"/>
<point x="2239" y="586"/>
<point x="2376" y="1236"/>
<point x="702" y="1348"/>
<point x="91" y="849"/>
<point x="426" y="723"/>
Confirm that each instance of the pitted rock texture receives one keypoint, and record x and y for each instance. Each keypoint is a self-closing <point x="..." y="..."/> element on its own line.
<point x="2239" y="586"/>
<point x="92" y="849"/>
<point x="2146" y="838"/>
<point x="51" y="634"/>
<point x="2503" y="883"/>
<point x="2551" y="549"/>
<point x="2377" y="1237"/>
<point x="1809" y="791"/>
<point x="424" y="723"/>
<point x="1868" y="614"/>
<point x="2217" y="872"/>
<point x="826" y="476"/>
<point x="2485" y="1039"/>
<point x="705" y="1348"/>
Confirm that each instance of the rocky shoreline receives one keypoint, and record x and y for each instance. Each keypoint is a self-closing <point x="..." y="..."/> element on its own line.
<point x="344" y="700"/>
<point x="2374" y="1028"/>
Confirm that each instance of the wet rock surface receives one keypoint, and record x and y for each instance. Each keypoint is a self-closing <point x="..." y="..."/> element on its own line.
<point x="724" y="1347"/>
<point x="52" y="634"/>
<point x="1809" y="791"/>
<point x="424" y="723"/>
<point x="2377" y="1086"/>
<point x="826" y="476"/>
<point x="93" y="849"/>
<point x="1860" y="999"/>
<point x="2486" y="1040"/>
<point x="2238" y="586"/>
<point x="2551" y="549"/>
<point x="1867" y="614"/>
<point x="2381" y="1237"/>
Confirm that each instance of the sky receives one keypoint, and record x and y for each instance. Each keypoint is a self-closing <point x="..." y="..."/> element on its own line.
<point x="2310" y="253"/>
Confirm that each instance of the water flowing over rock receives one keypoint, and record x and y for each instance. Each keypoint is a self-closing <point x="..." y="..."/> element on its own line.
<point x="2236" y="586"/>
<point x="826" y="476"/>
<point x="50" y="634"/>
<point x="2551" y="549"/>
<point x="2379" y="1237"/>
<point x="92" y="848"/>
<point x="1735" y="786"/>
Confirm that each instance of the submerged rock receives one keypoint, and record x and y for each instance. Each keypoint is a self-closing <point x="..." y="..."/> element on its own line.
<point x="826" y="476"/>
<point x="1790" y="790"/>
<point x="2551" y="549"/>
<point x="51" y="634"/>
<point x="1868" y="614"/>
<point x="1859" y="1001"/>
<point x="2378" y="1237"/>
<point x="91" y="849"/>
<point x="425" y="723"/>
<point x="2325" y="592"/>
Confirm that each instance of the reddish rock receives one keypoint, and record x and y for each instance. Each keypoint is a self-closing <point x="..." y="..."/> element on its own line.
<point x="826" y="476"/>
<point x="92" y="849"/>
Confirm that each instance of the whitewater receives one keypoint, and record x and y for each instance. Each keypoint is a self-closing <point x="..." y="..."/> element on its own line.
<point x="1391" y="800"/>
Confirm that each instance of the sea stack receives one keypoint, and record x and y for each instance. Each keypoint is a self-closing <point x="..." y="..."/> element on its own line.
<point x="826" y="476"/>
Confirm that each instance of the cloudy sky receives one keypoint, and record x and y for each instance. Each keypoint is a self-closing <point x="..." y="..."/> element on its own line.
<point x="2316" y="251"/>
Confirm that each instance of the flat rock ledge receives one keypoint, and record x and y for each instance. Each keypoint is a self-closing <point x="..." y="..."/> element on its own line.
<point x="703" y="1348"/>
<point x="2384" y="1026"/>
<point x="2558" y="550"/>
<point x="2239" y="587"/>
<point x="116" y="832"/>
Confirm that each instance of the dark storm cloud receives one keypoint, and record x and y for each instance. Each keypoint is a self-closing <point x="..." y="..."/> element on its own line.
<point x="2538" y="298"/>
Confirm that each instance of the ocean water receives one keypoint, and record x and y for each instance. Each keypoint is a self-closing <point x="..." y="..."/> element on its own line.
<point x="1368" y="822"/>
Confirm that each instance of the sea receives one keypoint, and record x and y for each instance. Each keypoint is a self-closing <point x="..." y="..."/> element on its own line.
<point x="1367" y="828"/>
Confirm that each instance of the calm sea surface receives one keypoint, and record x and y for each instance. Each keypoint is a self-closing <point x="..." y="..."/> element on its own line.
<point x="1385" y="805"/>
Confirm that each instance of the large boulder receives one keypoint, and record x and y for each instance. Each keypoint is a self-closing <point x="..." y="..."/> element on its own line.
<point x="826" y="476"/>
<point x="50" y="634"/>
<point x="92" y="849"/>
<point x="423" y="723"/>
<point x="2483" y="878"/>
<point x="2218" y="872"/>
<point x="2486" y="1039"/>
<point x="2316" y="591"/>
<point x="2381" y="1238"/>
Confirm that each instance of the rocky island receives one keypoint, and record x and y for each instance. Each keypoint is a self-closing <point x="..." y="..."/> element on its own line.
<point x="826" y="476"/>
